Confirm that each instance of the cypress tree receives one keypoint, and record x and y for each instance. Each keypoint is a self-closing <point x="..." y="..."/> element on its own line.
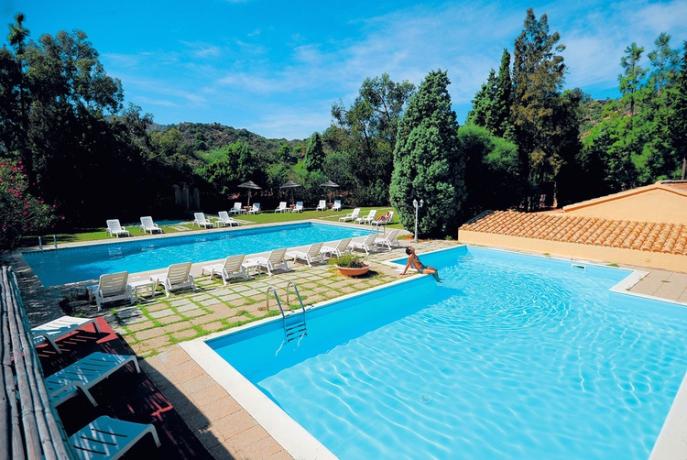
<point x="483" y="102"/>
<point x="678" y="127"/>
<point x="500" y="122"/>
<point x="428" y="163"/>
<point x="314" y="153"/>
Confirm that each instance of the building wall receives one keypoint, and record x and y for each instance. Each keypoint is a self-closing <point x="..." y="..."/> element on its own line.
<point x="649" y="206"/>
<point x="601" y="254"/>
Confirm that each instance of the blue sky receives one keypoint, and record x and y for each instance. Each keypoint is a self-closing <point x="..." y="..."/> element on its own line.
<point x="276" y="67"/>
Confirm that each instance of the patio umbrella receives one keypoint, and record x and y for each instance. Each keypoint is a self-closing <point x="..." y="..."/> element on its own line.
<point x="250" y="185"/>
<point x="329" y="184"/>
<point x="290" y="185"/>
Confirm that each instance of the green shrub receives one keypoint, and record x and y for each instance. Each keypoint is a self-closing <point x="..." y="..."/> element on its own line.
<point x="348" y="261"/>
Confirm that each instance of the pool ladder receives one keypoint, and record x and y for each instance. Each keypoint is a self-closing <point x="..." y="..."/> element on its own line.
<point x="293" y="323"/>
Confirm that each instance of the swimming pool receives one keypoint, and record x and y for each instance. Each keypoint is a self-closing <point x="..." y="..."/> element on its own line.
<point x="68" y="265"/>
<point x="512" y="356"/>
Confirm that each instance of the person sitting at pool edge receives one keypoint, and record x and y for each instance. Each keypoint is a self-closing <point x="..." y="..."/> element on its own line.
<point x="414" y="261"/>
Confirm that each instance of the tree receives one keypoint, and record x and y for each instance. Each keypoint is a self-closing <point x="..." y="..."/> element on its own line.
<point x="366" y="133"/>
<point x="678" y="125"/>
<point x="428" y="163"/>
<point x="538" y="72"/>
<point x="501" y="124"/>
<point x="633" y="75"/>
<point x="483" y="102"/>
<point x="314" y="153"/>
<point x="664" y="62"/>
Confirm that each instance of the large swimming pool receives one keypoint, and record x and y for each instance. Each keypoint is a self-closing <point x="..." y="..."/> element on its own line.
<point x="60" y="266"/>
<point x="511" y="357"/>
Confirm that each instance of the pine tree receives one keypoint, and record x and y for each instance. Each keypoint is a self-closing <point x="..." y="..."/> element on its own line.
<point x="500" y="122"/>
<point x="631" y="80"/>
<point x="428" y="163"/>
<point x="314" y="153"/>
<point x="678" y="126"/>
<point x="483" y="103"/>
<point x="538" y="72"/>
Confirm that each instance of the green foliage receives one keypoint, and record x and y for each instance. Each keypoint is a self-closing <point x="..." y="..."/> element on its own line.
<point x="492" y="104"/>
<point x="678" y="126"/>
<point x="20" y="212"/>
<point x="428" y="163"/>
<point x="348" y="260"/>
<point x="491" y="170"/>
<point x="314" y="153"/>
<point x="364" y="134"/>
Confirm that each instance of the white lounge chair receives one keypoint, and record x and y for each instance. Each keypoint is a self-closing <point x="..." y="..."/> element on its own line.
<point x="274" y="261"/>
<point x="369" y="218"/>
<point x="321" y="206"/>
<point x="337" y="250"/>
<point x="178" y="277"/>
<point x="111" y="287"/>
<point x="114" y="228"/>
<point x="352" y="216"/>
<point x="282" y="207"/>
<point x="298" y="207"/>
<point x="84" y="374"/>
<point x="109" y="438"/>
<point x="337" y="205"/>
<point x="255" y="209"/>
<point x="225" y="219"/>
<point x="366" y="245"/>
<point x="312" y="254"/>
<point x="237" y="209"/>
<point x="147" y="225"/>
<point x="383" y="220"/>
<point x="390" y="240"/>
<point x="231" y="268"/>
<point x="53" y="330"/>
<point x="200" y="220"/>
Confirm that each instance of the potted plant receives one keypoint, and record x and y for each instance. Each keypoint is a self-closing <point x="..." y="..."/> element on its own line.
<point x="350" y="265"/>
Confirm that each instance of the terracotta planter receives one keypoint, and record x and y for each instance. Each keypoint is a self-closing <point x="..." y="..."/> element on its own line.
<point x="350" y="271"/>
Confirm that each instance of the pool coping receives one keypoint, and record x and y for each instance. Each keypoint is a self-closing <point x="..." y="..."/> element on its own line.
<point x="300" y="443"/>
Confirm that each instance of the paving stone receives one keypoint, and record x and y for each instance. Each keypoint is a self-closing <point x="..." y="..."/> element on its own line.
<point x="148" y="334"/>
<point x="156" y="307"/>
<point x="194" y="313"/>
<point x="161" y="313"/>
<point x="170" y="319"/>
<point x="187" y="307"/>
<point x="140" y="325"/>
<point x="185" y="334"/>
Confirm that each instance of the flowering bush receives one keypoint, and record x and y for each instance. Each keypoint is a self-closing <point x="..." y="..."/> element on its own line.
<point x="20" y="213"/>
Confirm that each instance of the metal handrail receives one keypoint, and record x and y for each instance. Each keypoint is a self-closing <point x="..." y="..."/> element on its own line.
<point x="298" y="295"/>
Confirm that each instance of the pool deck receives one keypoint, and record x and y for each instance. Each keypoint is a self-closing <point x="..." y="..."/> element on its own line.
<point x="154" y="328"/>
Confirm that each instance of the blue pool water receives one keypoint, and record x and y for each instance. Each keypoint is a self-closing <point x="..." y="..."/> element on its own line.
<point x="89" y="262"/>
<point x="511" y="357"/>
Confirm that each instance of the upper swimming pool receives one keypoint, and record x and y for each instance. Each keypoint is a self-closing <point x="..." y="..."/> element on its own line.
<point x="60" y="266"/>
<point x="511" y="357"/>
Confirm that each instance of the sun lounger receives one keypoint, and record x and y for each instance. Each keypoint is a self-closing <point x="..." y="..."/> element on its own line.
<point x="84" y="374"/>
<point x="237" y="209"/>
<point x="337" y="205"/>
<point x="200" y="220"/>
<point x="390" y="240"/>
<point x="274" y="261"/>
<point x="352" y="216"/>
<point x="111" y="287"/>
<point x="255" y="209"/>
<point x="178" y="277"/>
<point x="337" y="250"/>
<point x="312" y="254"/>
<point x="321" y="206"/>
<point x="231" y="268"/>
<point x="366" y="220"/>
<point x="225" y="219"/>
<point x="147" y="225"/>
<point x="114" y="228"/>
<point x="53" y="330"/>
<point x="383" y="220"/>
<point x="282" y="207"/>
<point x="109" y="438"/>
<point x="364" y="245"/>
<point x="298" y="207"/>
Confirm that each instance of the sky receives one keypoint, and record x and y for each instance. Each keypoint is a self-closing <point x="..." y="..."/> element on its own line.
<point x="276" y="67"/>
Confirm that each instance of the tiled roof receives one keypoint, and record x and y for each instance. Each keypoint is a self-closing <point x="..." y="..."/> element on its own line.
<point x="642" y="236"/>
<point x="677" y="187"/>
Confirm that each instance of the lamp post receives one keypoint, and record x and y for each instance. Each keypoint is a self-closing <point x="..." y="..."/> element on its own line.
<point x="417" y="207"/>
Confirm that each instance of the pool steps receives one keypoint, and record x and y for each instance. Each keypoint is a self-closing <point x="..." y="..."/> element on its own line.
<point x="293" y="324"/>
